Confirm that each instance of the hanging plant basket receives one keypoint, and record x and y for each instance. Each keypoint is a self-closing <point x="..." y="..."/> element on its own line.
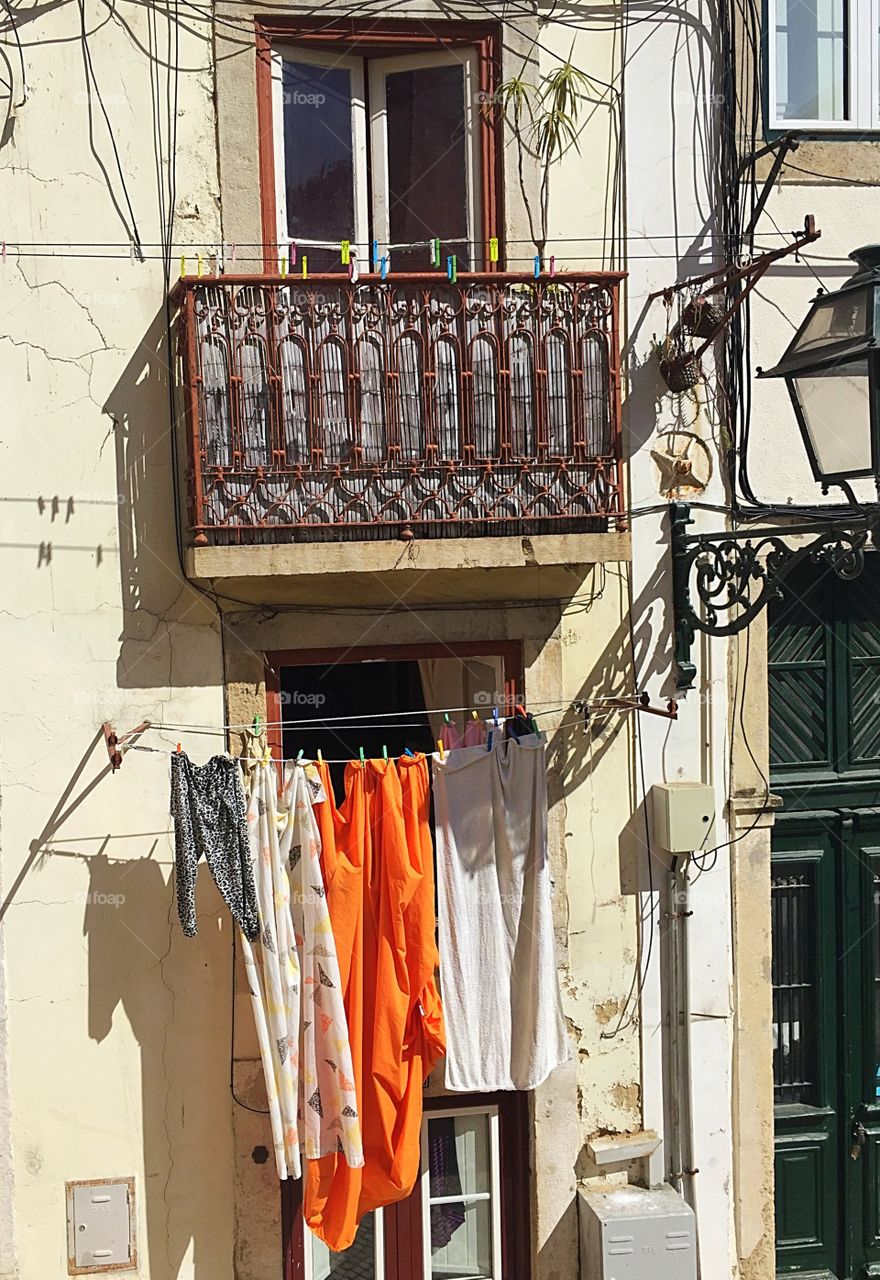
<point x="701" y="317"/>
<point x="681" y="372"/>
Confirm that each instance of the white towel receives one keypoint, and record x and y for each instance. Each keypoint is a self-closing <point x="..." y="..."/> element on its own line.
<point x="504" y="1024"/>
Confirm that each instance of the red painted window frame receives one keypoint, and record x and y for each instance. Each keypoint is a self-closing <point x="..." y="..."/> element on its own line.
<point x="510" y="651"/>
<point x="403" y="1221"/>
<point x="386" y="39"/>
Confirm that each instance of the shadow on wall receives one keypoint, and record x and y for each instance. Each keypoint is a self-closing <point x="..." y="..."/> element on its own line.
<point x="175" y="995"/>
<point x="172" y="995"/>
<point x="634" y="651"/>
<point x="169" y="631"/>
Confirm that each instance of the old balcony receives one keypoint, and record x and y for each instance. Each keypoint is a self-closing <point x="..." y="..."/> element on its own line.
<point x="479" y="419"/>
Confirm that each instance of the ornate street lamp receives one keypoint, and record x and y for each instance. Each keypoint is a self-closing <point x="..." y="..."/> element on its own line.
<point x="832" y="371"/>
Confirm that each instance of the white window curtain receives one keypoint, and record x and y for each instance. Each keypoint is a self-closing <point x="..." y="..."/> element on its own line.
<point x="461" y="682"/>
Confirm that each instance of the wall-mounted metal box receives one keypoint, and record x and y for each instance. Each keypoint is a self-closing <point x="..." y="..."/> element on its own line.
<point x="683" y="816"/>
<point x="101" y="1226"/>
<point x="629" y="1233"/>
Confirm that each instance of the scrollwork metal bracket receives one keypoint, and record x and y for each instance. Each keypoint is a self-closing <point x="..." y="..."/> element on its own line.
<point x="737" y="573"/>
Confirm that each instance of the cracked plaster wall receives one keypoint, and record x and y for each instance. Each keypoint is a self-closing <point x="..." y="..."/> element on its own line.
<point x="117" y="1027"/>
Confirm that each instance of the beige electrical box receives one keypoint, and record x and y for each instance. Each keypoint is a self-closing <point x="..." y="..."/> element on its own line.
<point x="683" y="816"/>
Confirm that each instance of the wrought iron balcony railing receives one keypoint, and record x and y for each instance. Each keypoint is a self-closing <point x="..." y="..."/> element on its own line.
<point x="324" y="410"/>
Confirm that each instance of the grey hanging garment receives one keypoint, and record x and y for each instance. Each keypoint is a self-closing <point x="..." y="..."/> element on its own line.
<point x="210" y="819"/>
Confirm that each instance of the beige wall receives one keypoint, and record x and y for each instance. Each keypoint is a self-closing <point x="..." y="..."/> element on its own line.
<point x="117" y="1052"/>
<point x="752" y="808"/>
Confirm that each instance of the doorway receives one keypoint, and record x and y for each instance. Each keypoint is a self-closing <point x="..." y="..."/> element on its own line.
<point x="824" y="690"/>
<point x="468" y="1215"/>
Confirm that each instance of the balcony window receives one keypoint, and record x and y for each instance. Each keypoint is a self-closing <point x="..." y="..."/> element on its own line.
<point x="823" y="64"/>
<point x="377" y="149"/>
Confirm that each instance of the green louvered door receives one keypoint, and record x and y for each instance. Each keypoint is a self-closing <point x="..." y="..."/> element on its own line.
<point x="824" y="682"/>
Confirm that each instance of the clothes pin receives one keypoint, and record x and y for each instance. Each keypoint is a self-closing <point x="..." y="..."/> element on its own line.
<point x="320" y="756"/>
<point x="493" y="249"/>
<point x="452" y="268"/>
<point x="291" y="254"/>
<point x="475" y="715"/>
<point x="305" y="267"/>
<point x="407" y="752"/>
<point x="256" y="726"/>
<point x="361" y="753"/>
<point x="345" y="252"/>
<point x="198" y="264"/>
<point x="183" y="264"/>
<point x="375" y="255"/>
<point x="384" y="752"/>
<point x="489" y="740"/>
<point x="282" y="266"/>
<point x="435" y="253"/>
<point x="552" y="266"/>
<point x="179" y="748"/>
<point x="299" y="755"/>
<point x="537" y="265"/>
<point x="440" y="748"/>
<point x="383" y="267"/>
<point x="354" y="273"/>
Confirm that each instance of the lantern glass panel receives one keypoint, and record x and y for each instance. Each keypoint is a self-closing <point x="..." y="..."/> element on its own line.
<point x="835" y="407"/>
<point x="841" y="317"/>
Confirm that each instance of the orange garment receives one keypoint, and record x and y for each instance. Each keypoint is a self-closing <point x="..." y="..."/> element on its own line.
<point x="380" y="889"/>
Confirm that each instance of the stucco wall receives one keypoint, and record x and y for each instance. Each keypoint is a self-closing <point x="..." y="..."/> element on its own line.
<point x="119" y="1030"/>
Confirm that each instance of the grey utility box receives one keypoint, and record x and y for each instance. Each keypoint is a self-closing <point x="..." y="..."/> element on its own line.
<point x="683" y="816"/>
<point x="629" y="1233"/>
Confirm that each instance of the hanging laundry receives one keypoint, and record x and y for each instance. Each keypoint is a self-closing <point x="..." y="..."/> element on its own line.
<point x="296" y="987"/>
<point x="450" y="735"/>
<point x="208" y="808"/>
<point x="474" y="733"/>
<point x="381" y="895"/>
<point x="504" y="1024"/>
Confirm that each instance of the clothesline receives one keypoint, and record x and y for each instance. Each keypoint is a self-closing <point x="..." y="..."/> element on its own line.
<point x="306" y="760"/>
<point x="315" y="721"/>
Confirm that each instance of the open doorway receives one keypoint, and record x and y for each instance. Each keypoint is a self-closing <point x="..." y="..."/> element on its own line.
<point x="391" y="699"/>
<point x="476" y="1222"/>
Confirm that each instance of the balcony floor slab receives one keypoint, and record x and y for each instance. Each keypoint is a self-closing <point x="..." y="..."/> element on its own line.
<point x="457" y="570"/>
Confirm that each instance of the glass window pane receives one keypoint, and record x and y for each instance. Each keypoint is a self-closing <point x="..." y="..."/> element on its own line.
<point x="427" y="162"/>
<point x="876" y="954"/>
<point x="356" y="1263"/>
<point x="836" y="407"/>
<point x="458" y="1155"/>
<point x="462" y="1249"/>
<point x="794" y="986"/>
<point x="812" y="41"/>
<point x="318" y="157"/>
<point x="839" y="318"/>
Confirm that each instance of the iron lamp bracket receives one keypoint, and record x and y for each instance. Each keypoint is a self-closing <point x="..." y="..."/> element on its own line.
<point x="736" y="573"/>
